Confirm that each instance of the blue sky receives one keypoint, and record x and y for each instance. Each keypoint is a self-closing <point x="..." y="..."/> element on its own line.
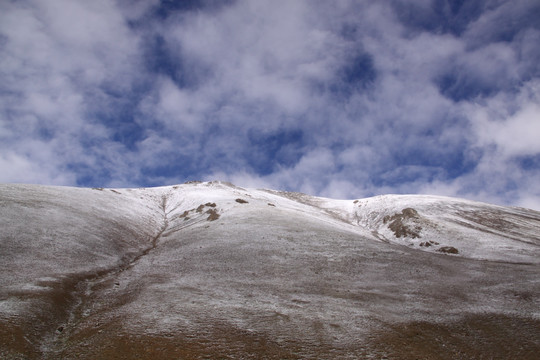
<point x="344" y="99"/>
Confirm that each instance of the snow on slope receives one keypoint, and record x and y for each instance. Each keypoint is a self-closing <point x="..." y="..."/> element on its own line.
<point x="56" y="239"/>
<point x="221" y="264"/>
<point x="442" y="224"/>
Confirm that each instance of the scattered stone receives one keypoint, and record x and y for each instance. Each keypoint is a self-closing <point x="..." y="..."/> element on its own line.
<point x="241" y="201"/>
<point x="270" y="204"/>
<point x="213" y="215"/>
<point x="428" y="243"/>
<point x="448" y="250"/>
<point x="409" y="213"/>
<point x="402" y="229"/>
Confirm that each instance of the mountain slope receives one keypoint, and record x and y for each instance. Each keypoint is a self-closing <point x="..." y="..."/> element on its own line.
<point x="211" y="269"/>
<point x="435" y="223"/>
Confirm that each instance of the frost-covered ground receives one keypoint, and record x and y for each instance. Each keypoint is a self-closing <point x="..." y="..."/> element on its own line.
<point x="210" y="270"/>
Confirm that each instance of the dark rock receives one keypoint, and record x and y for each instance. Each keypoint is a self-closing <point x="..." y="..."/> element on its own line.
<point x="448" y="250"/>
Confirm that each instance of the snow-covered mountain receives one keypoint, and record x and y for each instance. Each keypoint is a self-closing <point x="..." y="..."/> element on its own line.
<point x="212" y="270"/>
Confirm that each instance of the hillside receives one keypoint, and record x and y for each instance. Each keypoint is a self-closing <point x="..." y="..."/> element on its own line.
<point x="212" y="270"/>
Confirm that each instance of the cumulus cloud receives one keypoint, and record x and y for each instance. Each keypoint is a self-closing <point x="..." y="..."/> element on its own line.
<point x="346" y="99"/>
<point x="510" y="124"/>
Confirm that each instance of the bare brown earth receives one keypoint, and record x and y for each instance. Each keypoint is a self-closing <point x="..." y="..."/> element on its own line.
<point x="478" y="336"/>
<point x="471" y="337"/>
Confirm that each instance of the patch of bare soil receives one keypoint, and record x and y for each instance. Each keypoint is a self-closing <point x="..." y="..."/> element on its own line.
<point x="15" y="341"/>
<point x="489" y="218"/>
<point x="27" y="334"/>
<point x="404" y="224"/>
<point x="482" y="336"/>
<point x="215" y="342"/>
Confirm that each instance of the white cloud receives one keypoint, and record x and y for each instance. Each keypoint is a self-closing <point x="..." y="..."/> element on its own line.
<point x="258" y="50"/>
<point x="512" y="129"/>
<point x="56" y="59"/>
<point x="22" y="169"/>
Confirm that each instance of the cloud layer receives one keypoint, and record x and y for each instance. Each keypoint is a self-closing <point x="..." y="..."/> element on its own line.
<point x="343" y="99"/>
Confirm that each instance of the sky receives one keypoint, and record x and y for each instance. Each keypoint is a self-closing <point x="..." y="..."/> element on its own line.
<point x="343" y="99"/>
